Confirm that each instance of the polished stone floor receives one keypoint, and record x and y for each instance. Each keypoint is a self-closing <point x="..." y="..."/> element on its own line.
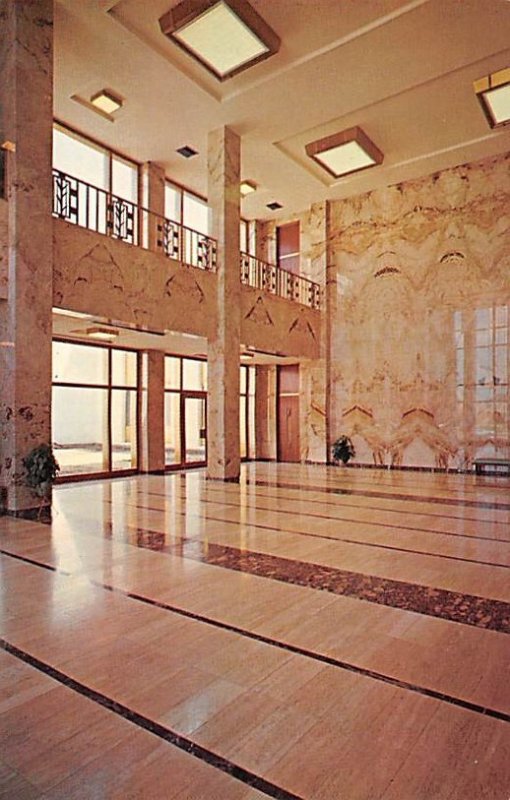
<point x="314" y="633"/>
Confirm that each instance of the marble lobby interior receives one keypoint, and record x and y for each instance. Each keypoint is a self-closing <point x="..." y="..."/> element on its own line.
<point x="314" y="632"/>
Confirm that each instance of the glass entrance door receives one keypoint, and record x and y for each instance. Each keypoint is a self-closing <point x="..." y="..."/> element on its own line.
<point x="194" y="427"/>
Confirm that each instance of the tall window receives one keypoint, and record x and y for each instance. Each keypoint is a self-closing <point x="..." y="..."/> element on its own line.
<point x="187" y="208"/>
<point x="247" y="412"/>
<point x="94" y="408"/>
<point x="491" y="372"/>
<point x="185" y="411"/>
<point x="95" y="164"/>
<point x="287" y="246"/>
<point x="247" y="237"/>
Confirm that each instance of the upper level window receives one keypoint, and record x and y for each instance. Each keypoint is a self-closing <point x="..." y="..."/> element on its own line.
<point x="81" y="159"/>
<point x="247" y="237"/>
<point x="173" y="202"/>
<point x="96" y="165"/>
<point x="124" y="179"/>
<point x="287" y="246"/>
<point x="195" y="213"/>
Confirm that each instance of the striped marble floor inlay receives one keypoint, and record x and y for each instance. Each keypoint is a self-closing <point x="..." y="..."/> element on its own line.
<point x="325" y="659"/>
<point x="462" y="608"/>
<point x="448" y="501"/>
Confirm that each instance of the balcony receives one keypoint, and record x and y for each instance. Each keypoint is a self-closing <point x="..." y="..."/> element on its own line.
<point x="88" y="206"/>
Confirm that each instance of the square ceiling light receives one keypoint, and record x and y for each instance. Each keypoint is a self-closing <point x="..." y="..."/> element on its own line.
<point x="345" y="152"/>
<point x="106" y="101"/>
<point x="247" y="187"/>
<point x="226" y="36"/>
<point x="493" y="93"/>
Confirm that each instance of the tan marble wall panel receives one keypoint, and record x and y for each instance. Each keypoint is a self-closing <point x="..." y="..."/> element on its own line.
<point x="415" y="270"/>
<point x="103" y="276"/>
<point x="4" y="266"/>
<point x="276" y="325"/>
<point x="312" y="410"/>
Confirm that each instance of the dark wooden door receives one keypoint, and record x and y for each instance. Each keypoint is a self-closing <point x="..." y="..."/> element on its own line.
<point x="288" y="413"/>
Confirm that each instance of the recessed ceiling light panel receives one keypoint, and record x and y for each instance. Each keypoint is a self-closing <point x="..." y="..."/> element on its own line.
<point x="345" y="152"/>
<point x="226" y="36"/>
<point x="493" y="93"/>
<point x="106" y="101"/>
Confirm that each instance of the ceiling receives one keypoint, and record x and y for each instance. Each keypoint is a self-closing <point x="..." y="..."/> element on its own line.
<point x="71" y="325"/>
<point x="403" y="71"/>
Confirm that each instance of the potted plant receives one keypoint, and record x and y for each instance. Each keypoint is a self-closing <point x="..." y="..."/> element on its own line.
<point x="343" y="449"/>
<point x="41" y="470"/>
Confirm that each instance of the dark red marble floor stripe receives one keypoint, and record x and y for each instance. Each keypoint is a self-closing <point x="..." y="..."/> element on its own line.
<point x="450" y="501"/>
<point x="157" y="729"/>
<point x="466" y="609"/>
<point x="35" y="563"/>
<point x="329" y="660"/>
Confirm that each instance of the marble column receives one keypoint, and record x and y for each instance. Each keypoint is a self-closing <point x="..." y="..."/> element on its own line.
<point x="26" y="66"/>
<point x="153" y="194"/>
<point x="223" y="459"/>
<point x="152" y="429"/>
<point x="333" y="349"/>
<point x="265" y="412"/>
<point x="315" y="238"/>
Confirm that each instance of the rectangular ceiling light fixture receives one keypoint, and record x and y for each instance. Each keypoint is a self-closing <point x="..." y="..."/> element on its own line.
<point x="345" y="152"/>
<point x="247" y="187"/>
<point x="493" y="93"/>
<point x="106" y="101"/>
<point x="102" y="334"/>
<point x="226" y="36"/>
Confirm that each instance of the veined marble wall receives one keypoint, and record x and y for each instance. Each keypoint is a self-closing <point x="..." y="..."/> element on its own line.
<point x="420" y="354"/>
<point x="98" y="275"/>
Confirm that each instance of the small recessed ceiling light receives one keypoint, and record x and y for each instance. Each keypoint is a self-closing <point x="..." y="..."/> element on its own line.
<point x="274" y="206"/>
<point x="493" y="93"/>
<point x="102" y="334"/>
<point x="247" y="187"/>
<point x="106" y="101"/>
<point x="345" y="152"/>
<point x="7" y="145"/>
<point x="186" y="151"/>
<point x="226" y="36"/>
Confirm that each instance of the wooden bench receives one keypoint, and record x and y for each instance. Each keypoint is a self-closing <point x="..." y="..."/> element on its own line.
<point x="496" y="466"/>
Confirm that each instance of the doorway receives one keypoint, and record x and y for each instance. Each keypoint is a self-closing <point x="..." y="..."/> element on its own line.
<point x="288" y="413"/>
<point x="194" y="428"/>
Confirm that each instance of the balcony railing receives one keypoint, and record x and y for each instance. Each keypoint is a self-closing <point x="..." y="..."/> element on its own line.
<point x="82" y="204"/>
<point x="280" y="282"/>
<point x="88" y="206"/>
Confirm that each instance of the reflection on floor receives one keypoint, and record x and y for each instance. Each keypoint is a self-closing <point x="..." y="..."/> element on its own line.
<point x="315" y="633"/>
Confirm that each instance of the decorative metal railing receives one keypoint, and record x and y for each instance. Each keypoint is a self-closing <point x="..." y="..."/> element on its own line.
<point x="86" y="205"/>
<point x="273" y="279"/>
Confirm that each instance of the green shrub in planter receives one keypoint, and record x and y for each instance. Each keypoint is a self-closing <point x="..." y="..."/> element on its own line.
<point x="41" y="469"/>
